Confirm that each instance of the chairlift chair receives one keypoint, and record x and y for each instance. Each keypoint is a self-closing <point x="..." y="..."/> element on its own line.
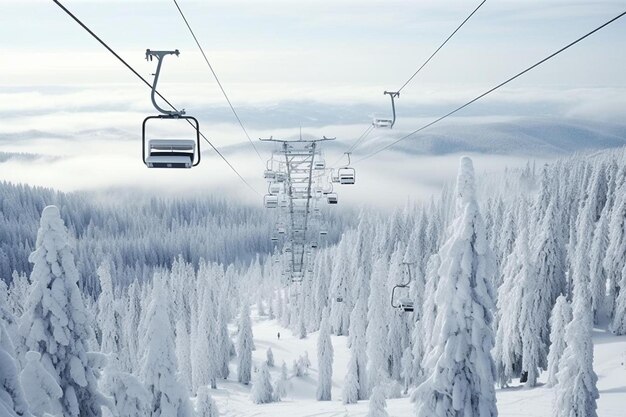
<point x="168" y="153"/>
<point x="347" y="174"/>
<point x="387" y="122"/>
<point x="274" y="188"/>
<point x="319" y="165"/>
<point x="297" y="276"/>
<point x="404" y="304"/>
<point x="269" y="175"/>
<point x="270" y="201"/>
<point x="323" y="232"/>
<point x="382" y="122"/>
<point x="332" y="198"/>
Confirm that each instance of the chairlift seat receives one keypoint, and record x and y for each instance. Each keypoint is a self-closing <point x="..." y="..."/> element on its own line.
<point x="165" y="153"/>
<point x="382" y="122"/>
<point x="332" y="198"/>
<point x="406" y="305"/>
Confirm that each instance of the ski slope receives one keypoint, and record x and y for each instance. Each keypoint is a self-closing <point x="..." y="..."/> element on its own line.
<point x="233" y="399"/>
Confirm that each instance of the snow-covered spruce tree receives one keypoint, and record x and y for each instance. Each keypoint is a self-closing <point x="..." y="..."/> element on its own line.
<point x="55" y="321"/>
<point x="378" y="307"/>
<point x="159" y="368"/>
<point x="269" y="357"/>
<point x="7" y="315"/>
<point x="205" y="353"/>
<point x="130" y="325"/>
<point x="378" y="403"/>
<point x="350" y="392"/>
<point x="183" y="354"/>
<point x="44" y="393"/>
<point x="226" y="343"/>
<point x="407" y="369"/>
<point x="12" y="400"/>
<point x="417" y="353"/>
<point x="597" y="272"/>
<point x="462" y="380"/>
<point x="325" y="361"/>
<point x="508" y="339"/>
<point x="358" y="348"/>
<point x="548" y="257"/>
<point x="244" y="346"/>
<point x="302" y="333"/>
<point x="262" y="389"/>
<point x="536" y="305"/>
<point x="205" y="405"/>
<point x="108" y="317"/>
<point x="576" y="391"/>
<point x="561" y="317"/>
<point x="280" y="390"/>
<point x="615" y="263"/>
<point x="129" y="396"/>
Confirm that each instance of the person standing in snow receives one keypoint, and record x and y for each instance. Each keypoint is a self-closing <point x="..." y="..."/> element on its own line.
<point x="278" y="335"/>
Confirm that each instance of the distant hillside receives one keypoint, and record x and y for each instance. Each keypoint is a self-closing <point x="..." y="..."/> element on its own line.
<point x="526" y="137"/>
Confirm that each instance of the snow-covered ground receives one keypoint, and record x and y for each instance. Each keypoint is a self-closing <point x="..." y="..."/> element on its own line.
<point x="234" y="400"/>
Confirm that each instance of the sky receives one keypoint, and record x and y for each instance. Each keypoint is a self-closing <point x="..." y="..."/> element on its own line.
<point x="316" y="64"/>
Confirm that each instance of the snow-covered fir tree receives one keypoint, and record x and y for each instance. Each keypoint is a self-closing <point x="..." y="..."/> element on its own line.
<point x="576" y="390"/>
<point x="280" y="389"/>
<point x="462" y="380"/>
<point x="269" y="357"/>
<point x="55" y="322"/>
<point x="376" y="333"/>
<point x="168" y="396"/>
<point x="205" y="405"/>
<point x="12" y="400"/>
<point x="324" y="361"/>
<point x="244" y="346"/>
<point x="262" y="388"/>
<point x="377" y="403"/>
<point x="560" y="318"/>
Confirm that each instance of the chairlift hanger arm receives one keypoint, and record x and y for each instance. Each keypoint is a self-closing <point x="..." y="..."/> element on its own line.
<point x="393" y="95"/>
<point x="160" y="55"/>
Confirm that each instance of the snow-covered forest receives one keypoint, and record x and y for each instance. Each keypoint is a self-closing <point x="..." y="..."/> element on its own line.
<point x="509" y="275"/>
